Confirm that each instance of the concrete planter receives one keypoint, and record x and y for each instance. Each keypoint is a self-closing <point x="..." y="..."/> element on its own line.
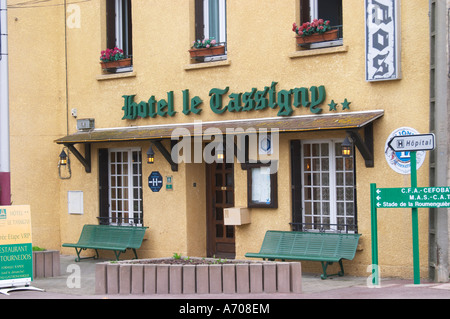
<point x="128" y="277"/>
<point x="46" y="263"/>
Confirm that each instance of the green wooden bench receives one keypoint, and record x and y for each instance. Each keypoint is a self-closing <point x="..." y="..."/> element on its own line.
<point x="108" y="237"/>
<point x="324" y="247"/>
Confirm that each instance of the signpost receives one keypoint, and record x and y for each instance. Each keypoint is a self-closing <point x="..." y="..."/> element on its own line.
<point x="407" y="197"/>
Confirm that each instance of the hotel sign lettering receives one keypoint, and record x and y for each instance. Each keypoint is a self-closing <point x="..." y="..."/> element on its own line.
<point x="382" y="40"/>
<point x="222" y="100"/>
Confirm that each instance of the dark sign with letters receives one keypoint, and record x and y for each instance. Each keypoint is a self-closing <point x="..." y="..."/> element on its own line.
<point x="155" y="181"/>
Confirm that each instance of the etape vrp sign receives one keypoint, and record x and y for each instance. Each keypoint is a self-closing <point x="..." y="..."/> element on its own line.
<point x="16" y="256"/>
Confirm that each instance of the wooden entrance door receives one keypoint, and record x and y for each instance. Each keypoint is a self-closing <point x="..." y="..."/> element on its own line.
<point x="220" y="195"/>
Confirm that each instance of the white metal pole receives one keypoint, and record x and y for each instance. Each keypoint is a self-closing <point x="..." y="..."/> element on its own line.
<point x="5" y="175"/>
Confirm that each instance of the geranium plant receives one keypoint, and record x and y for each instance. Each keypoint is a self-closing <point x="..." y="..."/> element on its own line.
<point x="204" y="44"/>
<point x="308" y="28"/>
<point x="110" y="55"/>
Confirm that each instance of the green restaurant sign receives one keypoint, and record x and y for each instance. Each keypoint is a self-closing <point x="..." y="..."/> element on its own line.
<point x="16" y="256"/>
<point x="254" y="100"/>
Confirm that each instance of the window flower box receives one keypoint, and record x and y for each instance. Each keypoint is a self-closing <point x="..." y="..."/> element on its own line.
<point x="114" y="59"/>
<point x="318" y="37"/>
<point x="316" y="31"/>
<point x="116" y="64"/>
<point x="206" y="47"/>
<point x="217" y="50"/>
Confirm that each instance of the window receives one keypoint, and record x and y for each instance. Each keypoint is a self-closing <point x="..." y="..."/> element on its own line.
<point x="326" y="10"/>
<point x="328" y="188"/>
<point x="211" y="22"/>
<point x="119" y="26"/>
<point x="125" y="187"/>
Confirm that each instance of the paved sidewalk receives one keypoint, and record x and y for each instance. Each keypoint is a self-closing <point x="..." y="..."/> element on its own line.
<point x="347" y="287"/>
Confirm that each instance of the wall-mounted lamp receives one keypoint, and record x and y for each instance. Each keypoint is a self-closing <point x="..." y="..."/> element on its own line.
<point x="63" y="158"/>
<point x="220" y="152"/>
<point x="64" y="161"/>
<point x="150" y="156"/>
<point x="346" y="147"/>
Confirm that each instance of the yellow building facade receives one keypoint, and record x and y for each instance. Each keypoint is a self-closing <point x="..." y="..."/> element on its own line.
<point x="308" y="97"/>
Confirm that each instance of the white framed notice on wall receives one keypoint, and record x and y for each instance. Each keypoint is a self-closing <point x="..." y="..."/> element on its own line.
<point x="383" y="45"/>
<point x="75" y="202"/>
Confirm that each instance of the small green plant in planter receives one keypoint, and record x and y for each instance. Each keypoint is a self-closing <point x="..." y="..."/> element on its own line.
<point x="176" y="256"/>
<point x="36" y="248"/>
<point x="204" y="44"/>
<point x="220" y="261"/>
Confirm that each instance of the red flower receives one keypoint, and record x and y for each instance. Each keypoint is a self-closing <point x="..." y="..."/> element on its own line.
<point x="309" y="28"/>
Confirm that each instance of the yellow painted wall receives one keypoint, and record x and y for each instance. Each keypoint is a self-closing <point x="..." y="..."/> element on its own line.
<point x="261" y="49"/>
<point x="37" y="114"/>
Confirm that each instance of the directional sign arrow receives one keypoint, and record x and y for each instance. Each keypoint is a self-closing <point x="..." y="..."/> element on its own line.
<point x="412" y="143"/>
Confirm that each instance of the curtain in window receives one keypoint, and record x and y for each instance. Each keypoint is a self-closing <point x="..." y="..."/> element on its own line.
<point x="119" y="25"/>
<point x="210" y="19"/>
<point x="214" y="19"/>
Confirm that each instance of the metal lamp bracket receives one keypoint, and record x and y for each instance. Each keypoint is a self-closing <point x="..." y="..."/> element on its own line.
<point x="365" y="146"/>
<point x="84" y="160"/>
<point x="166" y="154"/>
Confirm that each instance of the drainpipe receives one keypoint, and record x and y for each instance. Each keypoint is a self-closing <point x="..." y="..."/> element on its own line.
<point x="5" y="175"/>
